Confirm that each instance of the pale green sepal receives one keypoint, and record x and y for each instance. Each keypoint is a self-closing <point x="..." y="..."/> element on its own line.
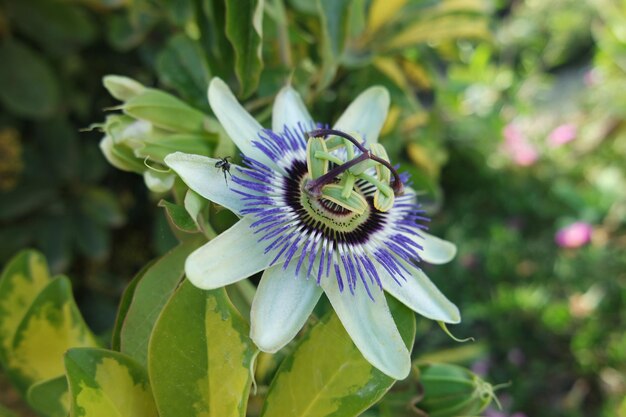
<point x="370" y="325"/>
<point x="435" y="250"/>
<point x="202" y="176"/>
<point x="420" y="294"/>
<point x="219" y="262"/>
<point x="122" y="88"/>
<point x="355" y="202"/>
<point x="104" y="383"/>
<point x="50" y="397"/>
<point x="366" y="114"/>
<point x="165" y="111"/>
<point x="200" y="356"/>
<point x="242" y="128"/>
<point x="316" y="166"/>
<point x="289" y="110"/>
<point x="283" y="302"/>
<point x="326" y="375"/>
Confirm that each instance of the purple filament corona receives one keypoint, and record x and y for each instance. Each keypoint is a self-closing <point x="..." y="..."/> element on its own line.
<point x="384" y="242"/>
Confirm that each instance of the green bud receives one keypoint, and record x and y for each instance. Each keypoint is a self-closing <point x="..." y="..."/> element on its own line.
<point x="166" y="112"/>
<point x="120" y="156"/>
<point x="450" y="391"/>
<point x="122" y="88"/>
<point x="354" y="202"/>
<point x="158" y="147"/>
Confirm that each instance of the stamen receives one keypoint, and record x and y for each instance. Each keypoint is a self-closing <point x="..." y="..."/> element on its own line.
<point x="316" y="185"/>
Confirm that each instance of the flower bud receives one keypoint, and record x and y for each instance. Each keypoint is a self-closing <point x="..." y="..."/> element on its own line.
<point x="165" y="111"/>
<point x="450" y="390"/>
<point x="122" y="88"/>
<point x="120" y="156"/>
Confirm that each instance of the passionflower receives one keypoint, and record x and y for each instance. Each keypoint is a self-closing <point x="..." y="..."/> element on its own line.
<point x="322" y="211"/>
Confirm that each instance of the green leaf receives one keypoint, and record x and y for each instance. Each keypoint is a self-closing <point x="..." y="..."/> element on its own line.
<point x="51" y="325"/>
<point x="50" y="397"/>
<point x="54" y="25"/>
<point x="181" y="65"/>
<point x="326" y="375"/>
<point x="125" y="32"/>
<point x="200" y="356"/>
<point x="28" y="85"/>
<point x="54" y="239"/>
<point x="438" y="30"/>
<point x="24" y="199"/>
<point x="102" y="207"/>
<point x="334" y="17"/>
<point x="151" y="294"/>
<point x="22" y="279"/>
<point x="5" y="412"/>
<point x="180" y="12"/>
<point x="179" y="217"/>
<point x="124" y="306"/>
<point x="104" y="383"/>
<point x="59" y="143"/>
<point x="244" y="30"/>
<point x="93" y="240"/>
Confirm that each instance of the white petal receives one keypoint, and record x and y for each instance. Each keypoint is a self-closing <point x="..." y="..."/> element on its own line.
<point x="421" y="295"/>
<point x="371" y="327"/>
<point x="238" y="123"/>
<point x="435" y="250"/>
<point x="289" y="109"/>
<point x="201" y="175"/>
<point x="366" y="114"/>
<point x="230" y="257"/>
<point x="281" y="306"/>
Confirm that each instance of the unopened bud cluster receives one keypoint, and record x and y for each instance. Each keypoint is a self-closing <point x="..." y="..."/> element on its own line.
<point x="152" y="125"/>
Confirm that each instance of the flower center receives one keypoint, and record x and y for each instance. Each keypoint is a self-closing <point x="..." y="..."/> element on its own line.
<point x="322" y="211"/>
<point x="320" y="215"/>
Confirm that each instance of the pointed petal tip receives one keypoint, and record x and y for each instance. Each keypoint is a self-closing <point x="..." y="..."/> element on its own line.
<point x="436" y="251"/>
<point x="289" y="110"/>
<point x="366" y="114"/>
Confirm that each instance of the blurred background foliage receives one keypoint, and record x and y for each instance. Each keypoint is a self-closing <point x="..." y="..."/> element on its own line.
<point x="509" y="115"/>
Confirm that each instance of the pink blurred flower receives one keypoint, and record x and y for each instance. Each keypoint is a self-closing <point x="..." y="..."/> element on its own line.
<point x="516" y="356"/>
<point x="591" y="78"/>
<point x="562" y="134"/>
<point x="574" y="236"/>
<point x="517" y="146"/>
<point x="481" y="367"/>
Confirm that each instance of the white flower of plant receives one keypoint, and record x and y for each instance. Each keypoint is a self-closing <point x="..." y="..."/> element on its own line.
<point x="320" y="212"/>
